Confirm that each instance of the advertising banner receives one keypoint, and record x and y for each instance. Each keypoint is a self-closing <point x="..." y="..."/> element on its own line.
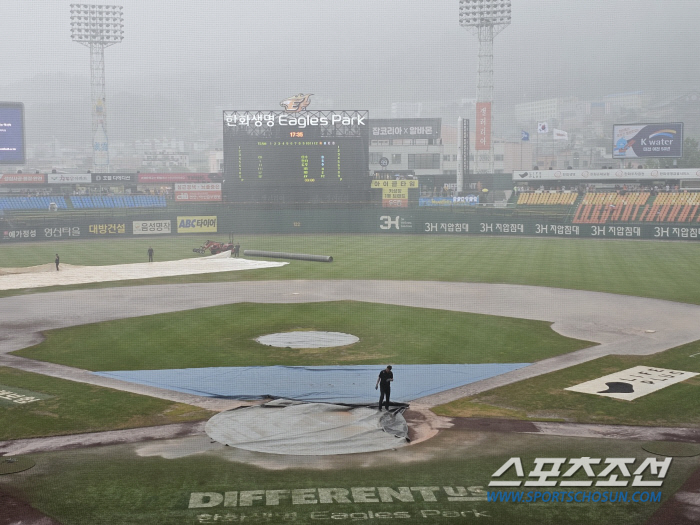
<point x="107" y="229"/>
<point x="408" y="184"/>
<point x="613" y="174"/>
<point x="40" y="234"/>
<point x="171" y="178"/>
<point x="69" y="178"/>
<point x="647" y="140"/>
<point x="389" y="202"/>
<point x="60" y="232"/>
<point x="27" y="234"/>
<point x="12" y="133"/>
<point x="11" y="395"/>
<point x="22" y="178"/>
<point x="466" y="200"/>
<point x="483" y="126"/>
<point x="102" y="178"/>
<point x="198" y="192"/>
<point x="197" y="224"/>
<point x="151" y="227"/>
<point x="405" y="128"/>
<point x="198" y="196"/>
<point x="632" y="383"/>
<point x="394" y="193"/>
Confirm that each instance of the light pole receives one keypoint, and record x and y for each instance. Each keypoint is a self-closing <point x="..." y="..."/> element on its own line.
<point x="97" y="27"/>
<point x="485" y="18"/>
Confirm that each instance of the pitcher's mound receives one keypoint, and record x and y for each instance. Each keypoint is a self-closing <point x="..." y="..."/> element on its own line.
<point x="309" y="429"/>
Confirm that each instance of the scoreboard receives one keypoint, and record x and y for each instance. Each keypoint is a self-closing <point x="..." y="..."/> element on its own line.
<point x="305" y="157"/>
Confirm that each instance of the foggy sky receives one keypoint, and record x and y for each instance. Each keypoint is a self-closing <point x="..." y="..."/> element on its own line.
<point x="181" y="62"/>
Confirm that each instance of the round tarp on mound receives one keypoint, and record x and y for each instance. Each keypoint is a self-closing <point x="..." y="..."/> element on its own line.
<point x="309" y="339"/>
<point x="309" y="429"/>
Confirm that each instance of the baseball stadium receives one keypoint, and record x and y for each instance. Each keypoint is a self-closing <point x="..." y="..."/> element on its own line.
<point x="330" y="326"/>
<point x="204" y="387"/>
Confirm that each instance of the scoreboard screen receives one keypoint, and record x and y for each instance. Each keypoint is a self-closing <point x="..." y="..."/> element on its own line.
<point x="310" y="157"/>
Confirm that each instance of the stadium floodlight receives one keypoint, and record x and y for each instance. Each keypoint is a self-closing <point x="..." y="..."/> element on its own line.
<point x="97" y="27"/>
<point x="485" y="18"/>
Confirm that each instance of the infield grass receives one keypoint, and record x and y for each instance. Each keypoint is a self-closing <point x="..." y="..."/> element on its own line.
<point x="544" y="397"/>
<point x="225" y="336"/>
<point x="78" y="407"/>
<point x="655" y="269"/>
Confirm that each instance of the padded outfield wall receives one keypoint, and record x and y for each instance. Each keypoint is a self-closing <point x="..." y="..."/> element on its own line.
<point x="219" y="221"/>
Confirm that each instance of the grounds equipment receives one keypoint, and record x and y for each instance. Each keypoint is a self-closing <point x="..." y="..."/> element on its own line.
<point x="214" y="247"/>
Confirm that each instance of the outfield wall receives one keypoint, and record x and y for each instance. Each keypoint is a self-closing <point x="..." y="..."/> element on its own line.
<point x="251" y="221"/>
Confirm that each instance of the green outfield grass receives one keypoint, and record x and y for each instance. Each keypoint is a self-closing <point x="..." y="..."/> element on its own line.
<point x="544" y="397"/>
<point x="133" y="484"/>
<point x="74" y="408"/>
<point x="225" y="336"/>
<point x="655" y="269"/>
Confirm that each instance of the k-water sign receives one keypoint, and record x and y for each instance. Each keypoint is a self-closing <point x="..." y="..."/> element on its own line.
<point x="12" y="133"/>
<point x="647" y="140"/>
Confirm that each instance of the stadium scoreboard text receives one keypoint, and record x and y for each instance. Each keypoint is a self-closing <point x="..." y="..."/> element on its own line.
<point x="311" y="156"/>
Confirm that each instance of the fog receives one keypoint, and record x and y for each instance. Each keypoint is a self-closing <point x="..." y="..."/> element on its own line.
<point x="182" y="62"/>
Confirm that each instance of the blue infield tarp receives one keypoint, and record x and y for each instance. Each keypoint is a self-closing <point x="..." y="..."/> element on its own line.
<point x="320" y="384"/>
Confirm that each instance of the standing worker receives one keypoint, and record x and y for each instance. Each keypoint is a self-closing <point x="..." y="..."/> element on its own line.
<point x="384" y="380"/>
<point x="236" y="250"/>
<point x="150" y="254"/>
<point x="58" y="259"/>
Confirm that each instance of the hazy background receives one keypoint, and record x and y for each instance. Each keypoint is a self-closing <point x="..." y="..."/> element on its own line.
<point x="182" y="62"/>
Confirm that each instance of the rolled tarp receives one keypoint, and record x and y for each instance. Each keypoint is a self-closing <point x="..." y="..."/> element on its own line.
<point x="283" y="255"/>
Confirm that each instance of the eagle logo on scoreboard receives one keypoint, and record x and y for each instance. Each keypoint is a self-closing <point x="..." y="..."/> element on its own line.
<point x="296" y="103"/>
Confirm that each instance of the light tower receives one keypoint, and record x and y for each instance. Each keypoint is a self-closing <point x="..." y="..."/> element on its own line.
<point x="485" y="18"/>
<point x="97" y="27"/>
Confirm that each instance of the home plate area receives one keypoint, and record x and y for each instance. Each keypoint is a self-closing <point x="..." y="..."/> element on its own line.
<point x="316" y="410"/>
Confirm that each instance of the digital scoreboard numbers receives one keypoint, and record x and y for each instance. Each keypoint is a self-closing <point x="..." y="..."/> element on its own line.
<point x="315" y="157"/>
<point x="293" y="161"/>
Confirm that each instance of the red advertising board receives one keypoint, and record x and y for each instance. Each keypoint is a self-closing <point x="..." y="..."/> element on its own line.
<point x="169" y="178"/>
<point x="22" y="178"/>
<point x="483" y="126"/>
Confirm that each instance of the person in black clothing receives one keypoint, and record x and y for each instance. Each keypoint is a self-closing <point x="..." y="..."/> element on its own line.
<point x="236" y="250"/>
<point x="58" y="259"/>
<point x="150" y="254"/>
<point x="384" y="380"/>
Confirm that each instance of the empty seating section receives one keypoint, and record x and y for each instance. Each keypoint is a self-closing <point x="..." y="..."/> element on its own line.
<point x="547" y="198"/>
<point x="602" y="208"/>
<point x="118" y="201"/>
<point x="32" y="203"/>
<point x="615" y="199"/>
<point x="83" y="202"/>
